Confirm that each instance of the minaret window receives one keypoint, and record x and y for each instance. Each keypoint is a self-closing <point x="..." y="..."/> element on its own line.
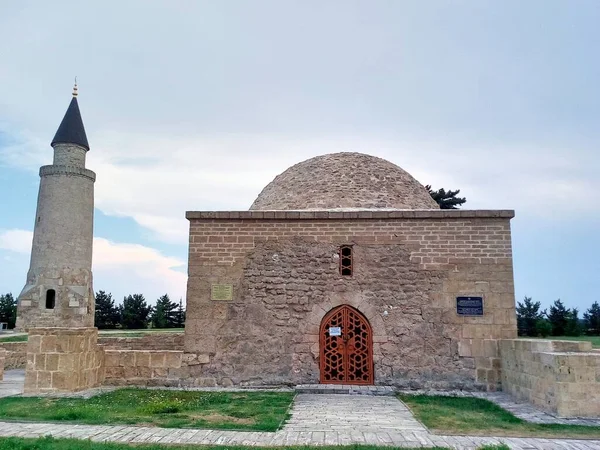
<point x="346" y="260"/>
<point x="50" y="298"/>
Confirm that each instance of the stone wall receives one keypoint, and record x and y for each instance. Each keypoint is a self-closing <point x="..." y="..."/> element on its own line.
<point x="562" y="377"/>
<point x="63" y="360"/>
<point x="2" y="363"/>
<point x="16" y="354"/>
<point x="409" y="267"/>
<point x="150" y="341"/>
<point x="143" y="367"/>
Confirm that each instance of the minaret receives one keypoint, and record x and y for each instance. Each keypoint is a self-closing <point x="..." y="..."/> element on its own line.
<point x="58" y="291"/>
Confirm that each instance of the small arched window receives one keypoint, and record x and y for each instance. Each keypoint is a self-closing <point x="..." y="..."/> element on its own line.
<point x="50" y="298"/>
<point x="346" y="260"/>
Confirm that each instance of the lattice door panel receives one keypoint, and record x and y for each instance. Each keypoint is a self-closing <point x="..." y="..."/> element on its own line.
<point x="347" y="357"/>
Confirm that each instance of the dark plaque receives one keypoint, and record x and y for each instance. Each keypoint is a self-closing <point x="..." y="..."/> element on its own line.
<point x="469" y="306"/>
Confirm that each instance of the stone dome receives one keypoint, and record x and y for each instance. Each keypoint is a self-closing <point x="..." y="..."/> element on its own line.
<point x="344" y="180"/>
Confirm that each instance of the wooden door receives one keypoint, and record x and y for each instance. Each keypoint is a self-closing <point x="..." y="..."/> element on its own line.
<point x="346" y="347"/>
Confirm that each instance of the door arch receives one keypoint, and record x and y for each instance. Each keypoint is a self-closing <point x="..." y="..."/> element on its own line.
<point x="346" y="347"/>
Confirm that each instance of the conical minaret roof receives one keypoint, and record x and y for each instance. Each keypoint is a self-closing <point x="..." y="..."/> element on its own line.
<point x="71" y="130"/>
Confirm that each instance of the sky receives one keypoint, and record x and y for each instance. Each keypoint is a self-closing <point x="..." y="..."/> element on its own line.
<point x="197" y="105"/>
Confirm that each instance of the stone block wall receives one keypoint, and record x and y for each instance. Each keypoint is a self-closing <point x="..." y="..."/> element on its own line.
<point x="2" y="363"/>
<point x="143" y="367"/>
<point x="561" y="377"/>
<point x="409" y="267"/>
<point x="150" y="341"/>
<point x="63" y="360"/>
<point x="16" y="354"/>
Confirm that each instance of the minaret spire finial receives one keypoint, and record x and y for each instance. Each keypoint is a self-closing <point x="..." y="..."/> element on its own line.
<point x="75" y="88"/>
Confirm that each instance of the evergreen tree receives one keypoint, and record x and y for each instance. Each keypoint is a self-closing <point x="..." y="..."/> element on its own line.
<point x="528" y="314"/>
<point x="8" y="309"/>
<point x="543" y="328"/>
<point x="446" y="199"/>
<point x="164" y="314"/>
<point x="134" y="312"/>
<point x="107" y="313"/>
<point x="558" y="316"/>
<point x="592" y="320"/>
<point x="180" y="315"/>
<point x="573" y="327"/>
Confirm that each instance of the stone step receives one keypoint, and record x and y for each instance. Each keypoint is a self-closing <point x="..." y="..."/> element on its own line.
<point x="348" y="389"/>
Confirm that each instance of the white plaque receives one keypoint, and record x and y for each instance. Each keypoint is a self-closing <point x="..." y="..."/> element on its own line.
<point x="335" y="331"/>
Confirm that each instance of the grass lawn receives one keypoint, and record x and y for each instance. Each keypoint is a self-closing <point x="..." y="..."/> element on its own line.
<point x="261" y="411"/>
<point x="19" y="338"/>
<point x="73" y="444"/>
<point x="478" y="417"/>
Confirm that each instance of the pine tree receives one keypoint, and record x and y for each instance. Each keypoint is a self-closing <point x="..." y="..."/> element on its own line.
<point x="134" y="312"/>
<point x="592" y="320"/>
<point x="573" y="327"/>
<point x="164" y="314"/>
<point x="180" y="315"/>
<point x="107" y="313"/>
<point x="528" y="314"/>
<point x="446" y="199"/>
<point x="558" y="316"/>
<point x="8" y="310"/>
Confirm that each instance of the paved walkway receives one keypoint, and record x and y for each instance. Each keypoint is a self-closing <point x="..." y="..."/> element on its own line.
<point x="317" y="419"/>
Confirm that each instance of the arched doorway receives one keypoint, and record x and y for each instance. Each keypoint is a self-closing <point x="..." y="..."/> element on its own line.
<point x="346" y="347"/>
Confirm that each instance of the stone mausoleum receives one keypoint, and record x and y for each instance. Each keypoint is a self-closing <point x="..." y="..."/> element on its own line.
<point x="344" y="270"/>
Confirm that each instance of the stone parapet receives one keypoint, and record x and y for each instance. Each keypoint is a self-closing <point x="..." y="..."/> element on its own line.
<point x="143" y="367"/>
<point x="364" y="214"/>
<point x="67" y="170"/>
<point x="2" y="362"/>
<point x="63" y="360"/>
<point x="561" y="377"/>
<point x="16" y="354"/>
<point x="150" y="341"/>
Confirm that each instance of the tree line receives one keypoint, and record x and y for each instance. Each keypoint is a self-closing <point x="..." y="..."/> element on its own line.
<point x="558" y="320"/>
<point x="134" y="313"/>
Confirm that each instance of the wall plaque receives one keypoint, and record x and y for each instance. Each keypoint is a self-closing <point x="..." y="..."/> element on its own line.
<point x="221" y="292"/>
<point x="469" y="306"/>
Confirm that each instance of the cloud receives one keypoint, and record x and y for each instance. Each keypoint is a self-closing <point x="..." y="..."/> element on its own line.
<point x="18" y="241"/>
<point x="122" y="267"/>
<point x="154" y="179"/>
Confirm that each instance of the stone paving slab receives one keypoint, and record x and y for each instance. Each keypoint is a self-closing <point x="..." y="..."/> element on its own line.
<point x="344" y="389"/>
<point x="338" y="413"/>
<point x="398" y="438"/>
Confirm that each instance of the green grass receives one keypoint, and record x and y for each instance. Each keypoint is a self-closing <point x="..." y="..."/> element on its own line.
<point x="261" y="411"/>
<point x="20" y="338"/>
<point x="49" y="443"/>
<point x="476" y="416"/>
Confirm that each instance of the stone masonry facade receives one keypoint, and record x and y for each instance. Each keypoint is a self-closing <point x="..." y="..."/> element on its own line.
<point x="409" y="268"/>
<point x="63" y="360"/>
